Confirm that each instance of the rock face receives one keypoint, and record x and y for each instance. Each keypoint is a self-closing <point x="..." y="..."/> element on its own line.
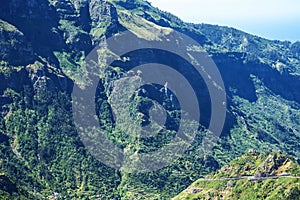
<point x="49" y="26"/>
<point x="43" y="44"/>
<point x="42" y="78"/>
<point x="238" y="41"/>
<point x="49" y="79"/>
<point x="14" y="48"/>
<point x="102" y="12"/>
<point x="259" y="165"/>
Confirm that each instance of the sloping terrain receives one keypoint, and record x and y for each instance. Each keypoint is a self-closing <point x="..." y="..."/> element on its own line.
<point x="251" y="176"/>
<point x="43" y="46"/>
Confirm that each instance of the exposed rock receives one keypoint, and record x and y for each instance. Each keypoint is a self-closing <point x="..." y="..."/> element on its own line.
<point x="49" y="79"/>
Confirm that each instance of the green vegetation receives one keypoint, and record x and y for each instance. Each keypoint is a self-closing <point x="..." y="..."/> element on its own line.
<point x="277" y="54"/>
<point x="281" y="188"/>
<point x="42" y="154"/>
<point x="43" y="144"/>
<point x="250" y="168"/>
<point x="5" y="26"/>
<point x="254" y="163"/>
<point x="65" y="61"/>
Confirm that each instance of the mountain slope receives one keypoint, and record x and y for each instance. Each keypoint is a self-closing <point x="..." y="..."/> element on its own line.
<point x="43" y="46"/>
<point x="251" y="176"/>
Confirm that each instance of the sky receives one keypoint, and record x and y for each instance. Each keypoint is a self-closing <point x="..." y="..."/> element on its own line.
<point x="272" y="19"/>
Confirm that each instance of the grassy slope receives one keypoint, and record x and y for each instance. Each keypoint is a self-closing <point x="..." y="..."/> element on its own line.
<point x="249" y="165"/>
<point x="275" y="189"/>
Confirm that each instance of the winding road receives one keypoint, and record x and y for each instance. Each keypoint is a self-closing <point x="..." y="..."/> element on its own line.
<point x="251" y="178"/>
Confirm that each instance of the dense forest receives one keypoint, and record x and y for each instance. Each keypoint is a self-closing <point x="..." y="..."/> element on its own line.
<point x="44" y="46"/>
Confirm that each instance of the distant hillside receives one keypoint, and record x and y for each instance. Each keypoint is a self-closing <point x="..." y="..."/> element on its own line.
<point x="43" y="46"/>
<point x="251" y="176"/>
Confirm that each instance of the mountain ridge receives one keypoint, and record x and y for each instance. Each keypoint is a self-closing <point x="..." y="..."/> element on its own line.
<point x="43" y="45"/>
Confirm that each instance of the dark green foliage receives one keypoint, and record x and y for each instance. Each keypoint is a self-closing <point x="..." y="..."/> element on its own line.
<point x="46" y="148"/>
<point x="41" y="152"/>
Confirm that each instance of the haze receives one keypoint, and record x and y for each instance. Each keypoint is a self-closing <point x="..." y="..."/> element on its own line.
<point x="272" y="19"/>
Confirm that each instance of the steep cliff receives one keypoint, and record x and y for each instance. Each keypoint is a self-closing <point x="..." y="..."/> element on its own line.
<point x="44" y="44"/>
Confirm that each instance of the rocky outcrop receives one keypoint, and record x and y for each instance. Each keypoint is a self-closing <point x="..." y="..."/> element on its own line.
<point x="36" y="76"/>
<point x="14" y="47"/>
<point x="44" y="36"/>
<point x="49" y="79"/>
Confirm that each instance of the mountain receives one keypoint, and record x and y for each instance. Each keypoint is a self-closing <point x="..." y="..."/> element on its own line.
<point x="44" y="44"/>
<point x="253" y="175"/>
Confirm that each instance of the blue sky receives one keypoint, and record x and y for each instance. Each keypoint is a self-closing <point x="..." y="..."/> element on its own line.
<point x="272" y="19"/>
